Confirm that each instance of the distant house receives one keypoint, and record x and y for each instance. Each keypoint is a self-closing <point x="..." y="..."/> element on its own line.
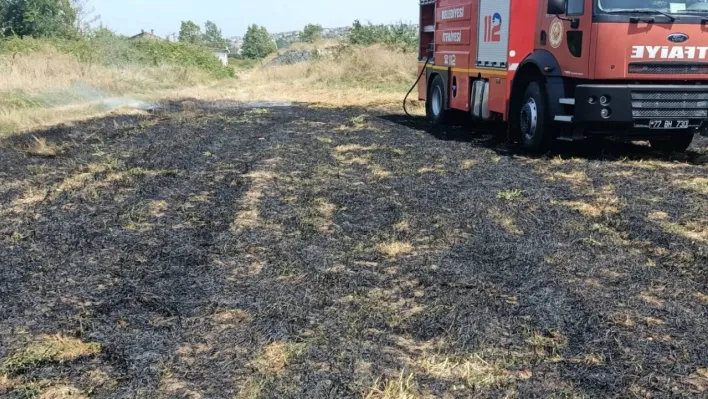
<point x="146" y="36"/>
<point x="222" y="55"/>
<point x="236" y="45"/>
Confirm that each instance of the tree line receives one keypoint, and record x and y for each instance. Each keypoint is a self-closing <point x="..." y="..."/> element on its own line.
<point x="71" y="19"/>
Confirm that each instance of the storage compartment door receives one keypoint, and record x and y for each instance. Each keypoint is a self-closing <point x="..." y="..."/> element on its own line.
<point x="493" y="37"/>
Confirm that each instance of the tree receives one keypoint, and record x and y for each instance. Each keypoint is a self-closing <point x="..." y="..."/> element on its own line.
<point x="213" y="37"/>
<point x="281" y="43"/>
<point x="190" y="32"/>
<point x="400" y="36"/>
<point x="38" y="18"/>
<point x="311" y="33"/>
<point x="257" y="42"/>
<point x="85" y="16"/>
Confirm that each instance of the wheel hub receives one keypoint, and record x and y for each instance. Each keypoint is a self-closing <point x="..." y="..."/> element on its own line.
<point x="437" y="101"/>
<point x="529" y="118"/>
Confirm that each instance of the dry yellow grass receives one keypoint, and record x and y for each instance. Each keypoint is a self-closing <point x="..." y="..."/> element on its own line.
<point x="275" y="358"/>
<point x="62" y="392"/>
<point x="403" y="387"/>
<point x="474" y="370"/>
<point x="49" y="349"/>
<point x="395" y="248"/>
<point x="373" y="77"/>
<point x="47" y="87"/>
<point x="41" y="148"/>
<point x="48" y="71"/>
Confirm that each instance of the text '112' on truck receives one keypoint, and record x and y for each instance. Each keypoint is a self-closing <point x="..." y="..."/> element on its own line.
<point x="569" y="69"/>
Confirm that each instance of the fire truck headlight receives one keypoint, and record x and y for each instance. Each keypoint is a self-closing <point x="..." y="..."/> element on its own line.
<point x="605" y="113"/>
<point x="604" y="100"/>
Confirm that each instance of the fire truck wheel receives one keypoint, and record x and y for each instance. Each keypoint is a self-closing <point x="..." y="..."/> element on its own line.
<point x="677" y="144"/>
<point x="435" y="106"/>
<point x="533" y="120"/>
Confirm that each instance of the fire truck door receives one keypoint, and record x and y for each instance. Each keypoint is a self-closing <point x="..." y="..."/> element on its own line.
<point x="567" y="37"/>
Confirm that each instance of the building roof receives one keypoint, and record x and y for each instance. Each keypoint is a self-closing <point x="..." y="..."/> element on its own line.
<point x="147" y="35"/>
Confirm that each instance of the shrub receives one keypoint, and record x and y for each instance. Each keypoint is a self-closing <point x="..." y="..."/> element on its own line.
<point x="400" y="36"/>
<point x="112" y="50"/>
<point x="257" y="42"/>
<point x="311" y="33"/>
<point x="38" y="18"/>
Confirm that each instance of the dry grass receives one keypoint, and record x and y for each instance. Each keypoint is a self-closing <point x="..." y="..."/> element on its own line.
<point x="403" y="387"/>
<point x="372" y="77"/>
<point x="474" y="371"/>
<point x="41" y="148"/>
<point x="396" y="248"/>
<point x="275" y="358"/>
<point x="47" y="87"/>
<point x="48" y="349"/>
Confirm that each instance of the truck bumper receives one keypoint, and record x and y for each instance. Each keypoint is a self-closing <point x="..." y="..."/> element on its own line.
<point x="648" y="110"/>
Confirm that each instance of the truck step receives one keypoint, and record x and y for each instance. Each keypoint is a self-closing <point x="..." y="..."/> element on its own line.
<point x="567" y="101"/>
<point x="564" y="118"/>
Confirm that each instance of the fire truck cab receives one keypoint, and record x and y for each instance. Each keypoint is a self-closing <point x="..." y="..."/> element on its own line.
<point x="569" y="69"/>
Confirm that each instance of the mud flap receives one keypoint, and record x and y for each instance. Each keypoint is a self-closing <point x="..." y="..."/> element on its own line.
<point x="555" y="90"/>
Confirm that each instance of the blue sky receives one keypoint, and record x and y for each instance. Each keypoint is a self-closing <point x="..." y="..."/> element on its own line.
<point x="233" y="16"/>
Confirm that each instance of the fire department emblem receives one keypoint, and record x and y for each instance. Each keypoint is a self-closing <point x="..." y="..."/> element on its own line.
<point x="555" y="36"/>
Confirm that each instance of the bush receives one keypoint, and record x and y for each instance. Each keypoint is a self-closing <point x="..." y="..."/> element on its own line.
<point x="311" y="33"/>
<point x="112" y="50"/>
<point x="257" y="42"/>
<point x="38" y="18"/>
<point x="400" y="36"/>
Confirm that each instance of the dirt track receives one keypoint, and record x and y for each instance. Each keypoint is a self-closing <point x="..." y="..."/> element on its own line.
<point x="297" y="252"/>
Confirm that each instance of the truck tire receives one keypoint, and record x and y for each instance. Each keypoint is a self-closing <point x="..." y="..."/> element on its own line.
<point x="435" y="106"/>
<point x="679" y="143"/>
<point x="534" y="121"/>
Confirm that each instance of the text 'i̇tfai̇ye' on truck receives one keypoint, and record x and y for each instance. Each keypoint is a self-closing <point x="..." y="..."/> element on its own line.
<point x="569" y="69"/>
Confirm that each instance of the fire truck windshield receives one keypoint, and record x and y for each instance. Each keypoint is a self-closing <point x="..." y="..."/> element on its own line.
<point x="659" y="6"/>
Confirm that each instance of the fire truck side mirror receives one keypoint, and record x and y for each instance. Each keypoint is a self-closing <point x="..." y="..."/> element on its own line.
<point x="557" y="7"/>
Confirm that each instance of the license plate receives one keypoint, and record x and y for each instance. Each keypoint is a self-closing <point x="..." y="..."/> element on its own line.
<point x="667" y="124"/>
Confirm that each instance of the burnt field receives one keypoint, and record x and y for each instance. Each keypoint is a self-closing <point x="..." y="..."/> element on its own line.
<point x="297" y="252"/>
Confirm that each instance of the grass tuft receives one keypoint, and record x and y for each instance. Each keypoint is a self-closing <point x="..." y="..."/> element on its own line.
<point x="510" y="195"/>
<point x="48" y="349"/>
<point x="39" y="147"/>
<point x="396" y="248"/>
<point x="403" y="387"/>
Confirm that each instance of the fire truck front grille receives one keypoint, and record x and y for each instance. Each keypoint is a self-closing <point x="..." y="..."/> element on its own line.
<point x="669" y="68"/>
<point x="656" y="104"/>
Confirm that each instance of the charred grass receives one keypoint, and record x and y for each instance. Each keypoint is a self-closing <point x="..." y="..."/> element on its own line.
<point x="301" y="252"/>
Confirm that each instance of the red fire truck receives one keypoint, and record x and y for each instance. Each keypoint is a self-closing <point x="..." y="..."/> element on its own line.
<point x="569" y="69"/>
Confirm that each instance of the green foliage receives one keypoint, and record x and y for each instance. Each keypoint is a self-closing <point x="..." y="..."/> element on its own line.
<point x="108" y="49"/>
<point x="282" y="43"/>
<point x="311" y="33"/>
<point x="213" y="37"/>
<point x="242" y="64"/>
<point x="257" y="42"/>
<point x="190" y="33"/>
<point x="400" y="36"/>
<point x="38" y="18"/>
